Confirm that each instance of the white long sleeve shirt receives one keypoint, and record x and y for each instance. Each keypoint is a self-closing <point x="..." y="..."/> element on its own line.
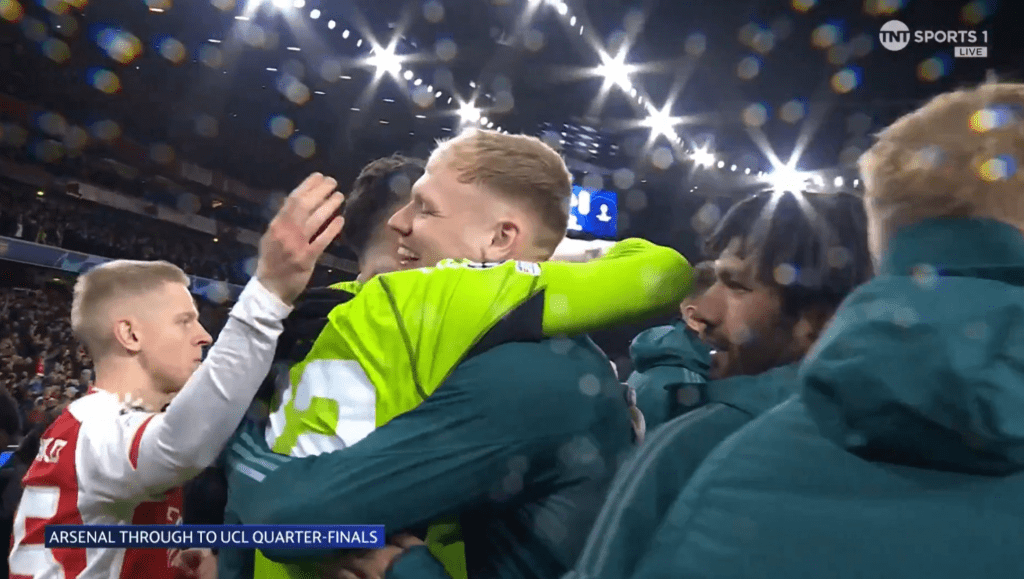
<point x="105" y="462"/>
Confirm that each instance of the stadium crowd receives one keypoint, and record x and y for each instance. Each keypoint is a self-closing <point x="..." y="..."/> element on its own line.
<point x="96" y="230"/>
<point x="840" y="396"/>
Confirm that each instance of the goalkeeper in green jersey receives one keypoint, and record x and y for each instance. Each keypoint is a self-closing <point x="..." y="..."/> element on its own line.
<point x="390" y="342"/>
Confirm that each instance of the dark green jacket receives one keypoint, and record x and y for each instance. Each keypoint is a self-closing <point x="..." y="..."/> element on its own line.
<point x="649" y="482"/>
<point x="521" y="442"/>
<point x="903" y="457"/>
<point x="670" y="367"/>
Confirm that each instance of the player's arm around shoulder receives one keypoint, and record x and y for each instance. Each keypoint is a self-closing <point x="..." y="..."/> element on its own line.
<point x="628" y="281"/>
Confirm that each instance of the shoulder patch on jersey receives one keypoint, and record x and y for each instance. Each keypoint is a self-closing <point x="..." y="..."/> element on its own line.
<point x="528" y="267"/>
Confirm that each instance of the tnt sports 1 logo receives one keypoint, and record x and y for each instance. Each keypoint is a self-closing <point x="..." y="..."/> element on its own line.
<point x="896" y="35"/>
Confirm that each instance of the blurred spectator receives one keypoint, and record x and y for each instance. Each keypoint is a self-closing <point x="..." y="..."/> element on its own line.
<point x="902" y="454"/>
<point x="783" y="265"/>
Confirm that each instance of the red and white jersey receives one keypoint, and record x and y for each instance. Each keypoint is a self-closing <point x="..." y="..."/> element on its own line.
<point x="85" y="463"/>
<point x="105" y="462"/>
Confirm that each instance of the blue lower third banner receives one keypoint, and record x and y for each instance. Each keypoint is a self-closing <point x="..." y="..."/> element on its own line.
<point x="215" y="536"/>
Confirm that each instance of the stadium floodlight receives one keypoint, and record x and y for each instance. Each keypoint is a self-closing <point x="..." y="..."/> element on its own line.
<point x="788" y="179"/>
<point x="661" y="123"/>
<point x="469" y="113"/>
<point x="385" y="60"/>
<point x="615" y="70"/>
<point x="703" y="158"/>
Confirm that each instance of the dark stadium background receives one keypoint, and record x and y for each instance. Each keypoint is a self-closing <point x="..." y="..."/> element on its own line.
<point x="179" y="102"/>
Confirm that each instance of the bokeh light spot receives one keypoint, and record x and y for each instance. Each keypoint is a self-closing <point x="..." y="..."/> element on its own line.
<point x="293" y="89"/>
<point x="446" y="49"/>
<point x="925" y="276"/>
<point x="931" y="69"/>
<point x="785" y="274"/>
<point x="533" y="40"/>
<point x="763" y="42"/>
<point x="623" y="178"/>
<point x="991" y="118"/>
<point x="161" y="153"/>
<point x="106" y="130"/>
<point x="188" y="203"/>
<point x="433" y="11"/>
<point x="207" y="126"/>
<point x="59" y="7"/>
<point x="423" y="98"/>
<point x="748" y="32"/>
<point x="11" y="10"/>
<point x="252" y="34"/>
<point x="52" y="124"/>
<point x="803" y="5"/>
<point x="755" y="115"/>
<point x="104" y="80"/>
<point x="34" y="29"/>
<point x="838" y="257"/>
<point x="706" y="218"/>
<point x="975" y="12"/>
<point x="792" y="111"/>
<point x="281" y="126"/>
<point x="696" y="44"/>
<point x="748" y="68"/>
<point x="1000" y="168"/>
<point x="304" y="146"/>
<point x="845" y="80"/>
<point x="120" y="45"/>
<point x="56" y="50"/>
<point x="883" y="7"/>
<point x="211" y="56"/>
<point x="825" y="36"/>
<point x="172" y="49"/>
<point x="662" y="158"/>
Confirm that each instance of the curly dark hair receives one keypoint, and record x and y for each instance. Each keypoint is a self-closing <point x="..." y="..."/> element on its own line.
<point x="823" y="236"/>
<point x="380" y="189"/>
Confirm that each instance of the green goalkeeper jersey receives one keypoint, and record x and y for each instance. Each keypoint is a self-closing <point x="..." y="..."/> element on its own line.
<point x="397" y="337"/>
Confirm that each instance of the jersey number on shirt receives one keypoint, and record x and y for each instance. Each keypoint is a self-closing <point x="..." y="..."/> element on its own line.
<point x="30" y="559"/>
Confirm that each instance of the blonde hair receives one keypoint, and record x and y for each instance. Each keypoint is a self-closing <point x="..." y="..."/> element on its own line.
<point x="107" y="284"/>
<point x="519" y="168"/>
<point x="957" y="156"/>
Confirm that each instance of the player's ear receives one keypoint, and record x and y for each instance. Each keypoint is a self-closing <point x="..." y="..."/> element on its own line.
<point x="127" y="334"/>
<point x="506" y="234"/>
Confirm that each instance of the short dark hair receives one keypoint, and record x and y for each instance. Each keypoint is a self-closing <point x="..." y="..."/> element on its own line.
<point x="821" y="236"/>
<point x="379" y="190"/>
<point x="703" y="278"/>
